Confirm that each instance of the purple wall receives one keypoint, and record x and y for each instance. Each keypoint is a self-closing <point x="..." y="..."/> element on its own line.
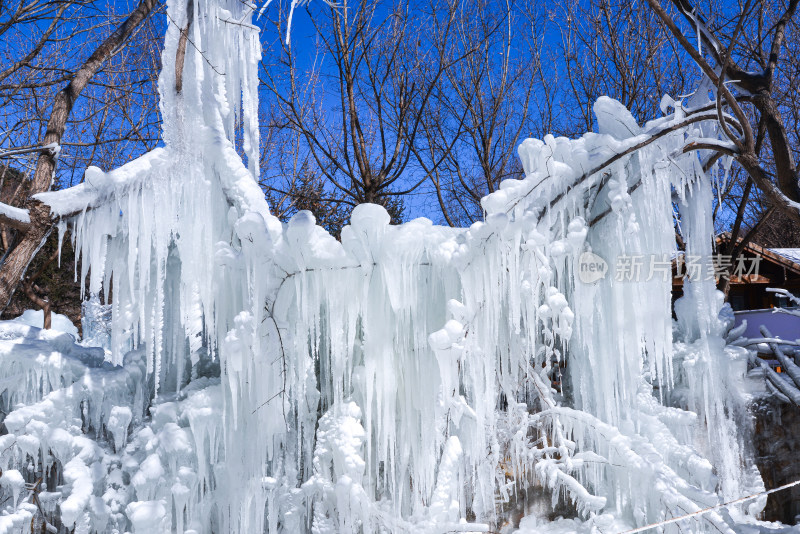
<point x="781" y="325"/>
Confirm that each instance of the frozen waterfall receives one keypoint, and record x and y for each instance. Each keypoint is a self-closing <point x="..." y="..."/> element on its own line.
<point x="411" y="378"/>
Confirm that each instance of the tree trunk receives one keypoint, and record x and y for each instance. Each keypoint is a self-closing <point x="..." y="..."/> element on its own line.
<point x="32" y="291"/>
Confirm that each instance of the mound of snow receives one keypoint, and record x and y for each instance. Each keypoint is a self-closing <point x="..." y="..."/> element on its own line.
<point x="60" y="323"/>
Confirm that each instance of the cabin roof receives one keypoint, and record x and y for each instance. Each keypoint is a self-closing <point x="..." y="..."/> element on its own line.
<point x="791" y="254"/>
<point x="785" y="257"/>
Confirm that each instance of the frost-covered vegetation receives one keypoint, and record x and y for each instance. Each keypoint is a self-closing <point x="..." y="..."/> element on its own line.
<point x="265" y="377"/>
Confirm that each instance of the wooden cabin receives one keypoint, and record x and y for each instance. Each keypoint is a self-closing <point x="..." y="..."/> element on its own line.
<point x="757" y="269"/>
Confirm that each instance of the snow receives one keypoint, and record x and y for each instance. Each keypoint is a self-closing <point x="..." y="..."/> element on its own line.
<point x="791" y="254"/>
<point x="12" y="482"/>
<point x="614" y="119"/>
<point x="147" y="516"/>
<point x="255" y="376"/>
<point x="58" y="322"/>
<point x="52" y="389"/>
<point x="15" y="214"/>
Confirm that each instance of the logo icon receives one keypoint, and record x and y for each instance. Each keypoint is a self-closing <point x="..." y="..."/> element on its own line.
<point x="591" y="267"/>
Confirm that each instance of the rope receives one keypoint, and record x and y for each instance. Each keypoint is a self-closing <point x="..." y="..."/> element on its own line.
<point x="711" y="509"/>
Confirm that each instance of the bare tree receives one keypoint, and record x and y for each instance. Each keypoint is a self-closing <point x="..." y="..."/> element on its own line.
<point x="743" y="53"/>
<point x="307" y="191"/>
<point x="360" y="111"/>
<point x="117" y="119"/>
<point x="750" y="97"/>
<point x="36" y="223"/>
<point x="289" y="174"/>
<point x="481" y="107"/>
<point x="614" y="48"/>
<point x="523" y="82"/>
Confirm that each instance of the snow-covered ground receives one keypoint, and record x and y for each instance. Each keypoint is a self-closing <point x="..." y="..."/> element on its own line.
<point x="60" y="323"/>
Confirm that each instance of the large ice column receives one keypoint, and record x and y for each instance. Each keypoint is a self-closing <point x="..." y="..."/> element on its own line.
<point x="620" y="358"/>
<point x="709" y="370"/>
<point x="219" y="78"/>
<point x="618" y="279"/>
<point x="161" y="216"/>
<point x="182" y="239"/>
<point x="623" y="325"/>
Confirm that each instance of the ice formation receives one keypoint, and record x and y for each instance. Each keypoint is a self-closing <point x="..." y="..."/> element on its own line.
<point x="265" y="377"/>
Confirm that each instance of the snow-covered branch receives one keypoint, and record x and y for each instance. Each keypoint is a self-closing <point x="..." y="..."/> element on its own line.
<point x="17" y="218"/>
